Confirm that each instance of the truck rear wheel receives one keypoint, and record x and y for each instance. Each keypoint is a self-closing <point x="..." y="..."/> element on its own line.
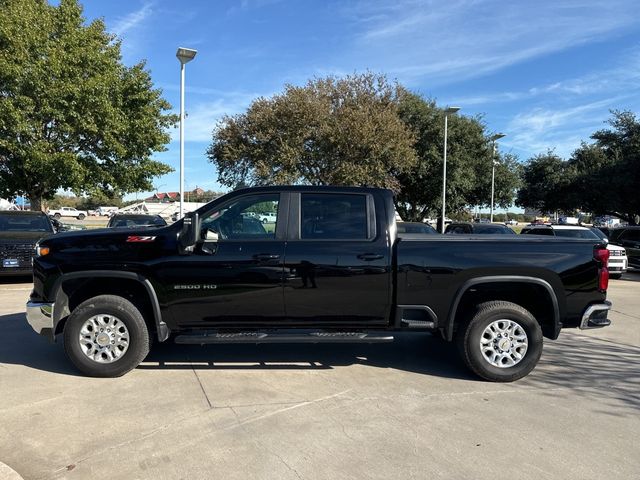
<point x="502" y="342"/>
<point x="106" y="336"/>
<point x="81" y="216"/>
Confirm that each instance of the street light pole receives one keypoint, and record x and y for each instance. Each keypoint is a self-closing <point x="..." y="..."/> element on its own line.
<point x="447" y="112"/>
<point x="185" y="55"/>
<point x="493" y="138"/>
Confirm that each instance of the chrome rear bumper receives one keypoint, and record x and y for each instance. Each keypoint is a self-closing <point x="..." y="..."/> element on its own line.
<point x="595" y="316"/>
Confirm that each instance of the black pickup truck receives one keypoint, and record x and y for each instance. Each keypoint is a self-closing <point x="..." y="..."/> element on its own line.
<point x="330" y="268"/>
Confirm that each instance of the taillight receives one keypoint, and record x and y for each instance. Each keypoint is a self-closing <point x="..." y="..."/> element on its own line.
<point x="601" y="254"/>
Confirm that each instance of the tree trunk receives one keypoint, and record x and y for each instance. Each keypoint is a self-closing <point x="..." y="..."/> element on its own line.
<point x="36" y="202"/>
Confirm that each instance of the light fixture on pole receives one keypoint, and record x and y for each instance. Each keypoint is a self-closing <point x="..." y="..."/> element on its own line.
<point x="447" y="111"/>
<point x="185" y="55"/>
<point x="493" y="139"/>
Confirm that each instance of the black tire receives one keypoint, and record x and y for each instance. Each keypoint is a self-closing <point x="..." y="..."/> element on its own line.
<point x="81" y="216"/>
<point x="468" y="338"/>
<point x="139" y="338"/>
<point x="615" y="276"/>
<point x="57" y="216"/>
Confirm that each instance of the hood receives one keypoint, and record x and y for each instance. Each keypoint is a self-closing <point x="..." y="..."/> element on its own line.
<point x="106" y="234"/>
<point x="17" y="237"/>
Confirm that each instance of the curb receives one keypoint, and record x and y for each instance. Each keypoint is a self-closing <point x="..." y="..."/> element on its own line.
<point x="7" y="473"/>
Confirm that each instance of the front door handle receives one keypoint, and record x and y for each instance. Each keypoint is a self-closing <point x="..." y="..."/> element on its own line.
<point x="370" y="256"/>
<point x="266" y="256"/>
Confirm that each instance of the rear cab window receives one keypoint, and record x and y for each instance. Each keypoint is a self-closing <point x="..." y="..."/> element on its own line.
<point x="335" y="216"/>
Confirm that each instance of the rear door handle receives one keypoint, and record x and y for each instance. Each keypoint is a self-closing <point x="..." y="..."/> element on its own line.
<point x="370" y="256"/>
<point x="266" y="256"/>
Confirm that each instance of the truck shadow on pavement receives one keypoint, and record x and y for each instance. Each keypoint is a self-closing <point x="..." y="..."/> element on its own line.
<point x="420" y="353"/>
<point x="607" y="372"/>
<point x="20" y="345"/>
<point x="12" y="280"/>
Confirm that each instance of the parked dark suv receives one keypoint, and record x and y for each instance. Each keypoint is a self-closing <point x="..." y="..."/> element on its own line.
<point x="19" y="232"/>
<point x="464" y="228"/>
<point x="629" y="238"/>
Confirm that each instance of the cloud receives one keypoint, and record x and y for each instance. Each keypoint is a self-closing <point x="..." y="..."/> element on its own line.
<point x="202" y="117"/>
<point x="132" y="20"/>
<point x="418" y="40"/>
<point x="560" y="129"/>
<point x="622" y="77"/>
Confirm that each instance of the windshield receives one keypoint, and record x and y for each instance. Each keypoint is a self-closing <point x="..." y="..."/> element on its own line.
<point x="577" y="233"/>
<point x="601" y="235"/>
<point x="493" y="230"/>
<point x="416" y="228"/>
<point x="136" y="221"/>
<point x="24" y="223"/>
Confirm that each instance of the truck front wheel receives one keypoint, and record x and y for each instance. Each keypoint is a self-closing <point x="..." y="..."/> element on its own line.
<point x="502" y="342"/>
<point x="106" y="336"/>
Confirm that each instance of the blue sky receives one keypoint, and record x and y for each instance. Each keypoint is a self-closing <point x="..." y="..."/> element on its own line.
<point x="545" y="73"/>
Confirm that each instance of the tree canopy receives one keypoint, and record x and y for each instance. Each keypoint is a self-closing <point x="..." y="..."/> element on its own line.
<point x="72" y="116"/>
<point x="469" y="157"/>
<point x="602" y="177"/>
<point x="361" y="130"/>
<point x="546" y="179"/>
<point x="332" y="131"/>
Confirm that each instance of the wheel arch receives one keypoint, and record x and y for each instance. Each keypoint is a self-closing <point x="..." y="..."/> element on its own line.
<point x="513" y="288"/>
<point x="73" y="288"/>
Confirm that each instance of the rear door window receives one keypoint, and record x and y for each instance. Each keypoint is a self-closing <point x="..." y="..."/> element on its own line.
<point x="333" y="217"/>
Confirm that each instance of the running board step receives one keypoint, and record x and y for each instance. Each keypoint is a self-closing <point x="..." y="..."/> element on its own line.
<point x="260" y="337"/>
<point x="418" y="324"/>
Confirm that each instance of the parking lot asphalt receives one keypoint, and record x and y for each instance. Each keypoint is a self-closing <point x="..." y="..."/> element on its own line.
<point x="395" y="411"/>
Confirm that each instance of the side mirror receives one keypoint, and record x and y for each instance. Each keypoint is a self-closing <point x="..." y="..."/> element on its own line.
<point x="190" y="233"/>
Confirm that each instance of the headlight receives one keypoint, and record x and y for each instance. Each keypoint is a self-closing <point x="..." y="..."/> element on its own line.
<point x="41" y="251"/>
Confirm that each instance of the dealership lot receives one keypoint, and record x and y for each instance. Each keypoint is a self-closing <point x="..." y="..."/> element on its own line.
<point x="404" y="410"/>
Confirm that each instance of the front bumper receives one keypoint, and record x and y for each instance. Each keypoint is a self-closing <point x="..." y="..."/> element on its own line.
<point x="40" y="317"/>
<point x="595" y="316"/>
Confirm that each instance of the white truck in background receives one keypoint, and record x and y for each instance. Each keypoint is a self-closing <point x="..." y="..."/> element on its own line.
<point x="106" y="211"/>
<point x="68" y="212"/>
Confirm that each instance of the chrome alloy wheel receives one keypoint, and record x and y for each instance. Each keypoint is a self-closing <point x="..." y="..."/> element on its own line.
<point x="104" y="338"/>
<point x="504" y="343"/>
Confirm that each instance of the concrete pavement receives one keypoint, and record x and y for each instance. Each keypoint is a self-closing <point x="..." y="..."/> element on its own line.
<point x="403" y="410"/>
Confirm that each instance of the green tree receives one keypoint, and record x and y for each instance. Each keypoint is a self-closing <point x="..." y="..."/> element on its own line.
<point x="546" y="187"/>
<point x="72" y="116"/>
<point x="469" y="157"/>
<point x="612" y="161"/>
<point x="332" y="131"/>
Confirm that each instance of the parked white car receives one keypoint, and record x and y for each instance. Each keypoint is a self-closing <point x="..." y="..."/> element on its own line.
<point x="68" y="212"/>
<point x="618" y="261"/>
<point x="267" y="217"/>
